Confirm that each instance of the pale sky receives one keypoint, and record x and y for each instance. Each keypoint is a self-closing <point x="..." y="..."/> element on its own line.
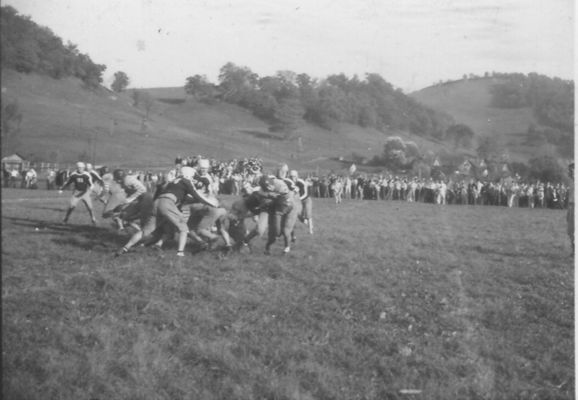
<point x="410" y="43"/>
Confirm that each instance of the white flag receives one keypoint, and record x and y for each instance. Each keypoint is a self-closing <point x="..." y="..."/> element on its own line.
<point x="352" y="169"/>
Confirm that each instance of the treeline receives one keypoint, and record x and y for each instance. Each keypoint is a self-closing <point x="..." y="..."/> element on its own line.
<point x="287" y="99"/>
<point x="28" y="47"/>
<point x="551" y="99"/>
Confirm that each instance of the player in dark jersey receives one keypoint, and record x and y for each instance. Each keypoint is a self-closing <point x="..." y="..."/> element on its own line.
<point x="82" y="190"/>
<point x="167" y="212"/>
<point x="204" y="214"/>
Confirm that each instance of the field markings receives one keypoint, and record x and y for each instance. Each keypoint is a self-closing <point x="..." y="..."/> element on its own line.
<point x="484" y="372"/>
<point x="484" y="379"/>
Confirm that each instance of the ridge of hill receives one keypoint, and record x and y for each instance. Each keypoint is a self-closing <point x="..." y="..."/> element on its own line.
<point x="469" y="102"/>
<point x="62" y="121"/>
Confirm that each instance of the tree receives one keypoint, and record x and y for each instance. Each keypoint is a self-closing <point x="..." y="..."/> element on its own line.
<point x="201" y="89"/>
<point x="488" y="148"/>
<point x="11" y="121"/>
<point x="237" y="83"/>
<point x="288" y="82"/>
<point x="394" y="152"/>
<point x="332" y="105"/>
<point x="264" y="105"/>
<point x="411" y="150"/>
<point x="89" y="72"/>
<point x="519" y="168"/>
<point x="308" y="94"/>
<point x="121" y="81"/>
<point x="460" y="134"/>
<point x="546" y="169"/>
<point x="27" y="57"/>
<point x="288" y="116"/>
<point x="28" y="47"/>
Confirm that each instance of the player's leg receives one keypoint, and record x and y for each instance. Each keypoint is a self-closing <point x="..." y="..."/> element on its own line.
<point x="87" y="200"/>
<point x="207" y="221"/>
<point x="72" y="205"/>
<point x="274" y="219"/>
<point x="169" y="210"/>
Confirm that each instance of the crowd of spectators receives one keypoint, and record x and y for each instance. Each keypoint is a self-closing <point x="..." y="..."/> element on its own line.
<point x="509" y="191"/>
<point x="232" y="175"/>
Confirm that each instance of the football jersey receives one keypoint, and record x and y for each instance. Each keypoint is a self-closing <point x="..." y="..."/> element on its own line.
<point x="82" y="181"/>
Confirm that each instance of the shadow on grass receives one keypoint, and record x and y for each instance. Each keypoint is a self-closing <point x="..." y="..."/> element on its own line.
<point x="102" y="239"/>
<point x="86" y="237"/>
<point x="58" y="209"/>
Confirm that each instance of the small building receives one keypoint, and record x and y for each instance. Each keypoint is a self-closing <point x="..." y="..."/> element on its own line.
<point x="14" y="161"/>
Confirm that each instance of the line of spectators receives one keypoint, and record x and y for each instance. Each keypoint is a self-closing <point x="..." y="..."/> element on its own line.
<point x="508" y="192"/>
<point x="232" y="175"/>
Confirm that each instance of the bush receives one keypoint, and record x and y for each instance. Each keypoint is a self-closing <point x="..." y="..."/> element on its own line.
<point x="546" y="169"/>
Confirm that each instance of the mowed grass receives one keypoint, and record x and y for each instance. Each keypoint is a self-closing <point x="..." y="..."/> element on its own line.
<point x="387" y="300"/>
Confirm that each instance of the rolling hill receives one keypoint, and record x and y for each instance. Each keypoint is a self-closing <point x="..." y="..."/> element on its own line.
<point x="62" y="121"/>
<point x="468" y="101"/>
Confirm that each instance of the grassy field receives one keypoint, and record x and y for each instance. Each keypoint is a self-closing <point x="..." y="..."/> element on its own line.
<point x="387" y="300"/>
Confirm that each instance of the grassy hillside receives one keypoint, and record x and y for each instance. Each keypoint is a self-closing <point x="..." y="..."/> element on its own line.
<point x="469" y="102"/>
<point x="62" y="121"/>
<point x="446" y="303"/>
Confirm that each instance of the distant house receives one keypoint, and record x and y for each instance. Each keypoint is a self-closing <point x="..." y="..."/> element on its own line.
<point x="14" y="161"/>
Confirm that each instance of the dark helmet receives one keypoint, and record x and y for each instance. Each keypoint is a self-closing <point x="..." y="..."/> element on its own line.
<point x="266" y="182"/>
<point x="118" y="174"/>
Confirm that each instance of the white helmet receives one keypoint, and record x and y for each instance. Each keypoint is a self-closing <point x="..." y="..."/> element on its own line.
<point x="282" y="171"/>
<point x="80" y="165"/>
<point x="188" y="172"/>
<point x="293" y="174"/>
<point x="88" y="166"/>
<point x="204" y="163"/>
